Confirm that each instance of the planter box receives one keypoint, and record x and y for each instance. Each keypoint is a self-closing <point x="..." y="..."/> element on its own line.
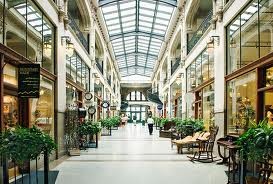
<point x="74" y="152"/>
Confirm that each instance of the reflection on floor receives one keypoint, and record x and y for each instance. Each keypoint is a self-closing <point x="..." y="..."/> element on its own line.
<point x="133" y="156"/>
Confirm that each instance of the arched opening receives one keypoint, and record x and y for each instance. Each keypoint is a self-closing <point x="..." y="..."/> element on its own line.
<point x="99" y="53"/>
<point x="176" y="53"/>
<point x="198" y="21"/>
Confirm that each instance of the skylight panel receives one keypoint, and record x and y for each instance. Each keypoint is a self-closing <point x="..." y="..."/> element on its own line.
<point x="146" y="24"/>
<point x="109" y="16"/>
<point x="245" y="16"/>
<point x="164" y="8"/>
<point x="111" y="32"/>
<point x="132" y="17"/>
<point x="146" y="12"/>
<point x="110" y="8"/>
<point x="156" y="26"/>
<point x="113" y="27"/>
<point x="129" y="24"/>
<point x="151" y="5"/>
<point x="145" y="29"/>
<point x="144" y="17"/>
<point x="160" y="21"/>
<point x="127" y="12"/>
<point x="127" y="5"/>
<point x="112" y="22"/>
<point x="252" y="9"/>
<point x="158" y="31"/>
<point x="163" y="15"/>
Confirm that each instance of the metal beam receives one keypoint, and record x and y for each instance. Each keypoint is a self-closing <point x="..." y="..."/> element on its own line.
<point x="106" y="2"/>
<point x="137" y="33"/>
<point x="136" y="53"/>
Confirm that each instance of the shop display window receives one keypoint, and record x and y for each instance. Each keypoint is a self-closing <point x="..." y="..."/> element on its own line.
<point x="10" y="75"/>
<point x="208" y="105"/>
<point x="241" y="103"/>
<point x="269" y="77"/>
<point x="42" y="109"/>
<point x="10" y="111"/>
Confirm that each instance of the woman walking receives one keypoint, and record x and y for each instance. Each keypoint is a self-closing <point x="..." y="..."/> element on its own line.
<point x="150" y="123"/>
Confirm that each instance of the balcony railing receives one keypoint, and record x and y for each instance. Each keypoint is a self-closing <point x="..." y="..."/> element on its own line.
<point x="109" y="81"/>
<point x="175" y="65"/>
<point x="199" y="32"/>
<point x="78" y="32"/>
<point x="100" y="67"/>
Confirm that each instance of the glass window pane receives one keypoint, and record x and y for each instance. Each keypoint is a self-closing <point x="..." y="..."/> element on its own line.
<point x="199" y="77"/>
<point x="205" y="66"/>
<point x="266" y="14"/>
<point x="42" y="109"/>
<point x="10" y="75"/>
<point x="208" y="105"/>
<point x="249" y="35"/>
<point x="241" y="97"/>
<point x="233" y="37"/>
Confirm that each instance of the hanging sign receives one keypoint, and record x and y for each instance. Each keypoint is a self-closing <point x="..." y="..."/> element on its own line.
<point x="29" y="80"/>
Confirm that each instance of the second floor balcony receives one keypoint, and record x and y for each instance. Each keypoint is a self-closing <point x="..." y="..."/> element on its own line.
<point x="99" y="65"/>
<point x="84" y="41"/>
<point x="199" y="32"/>
<point x="175" y="64"/>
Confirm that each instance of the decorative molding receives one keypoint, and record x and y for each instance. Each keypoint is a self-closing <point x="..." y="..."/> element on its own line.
<point x="66" y="22"/>
<point x="213" y="21"/>
<point x="61" y="14"/>
<point x="219" y="13"/>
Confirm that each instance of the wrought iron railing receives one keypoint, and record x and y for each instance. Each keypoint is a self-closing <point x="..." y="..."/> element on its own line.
<point x="78" y="32"/>
<point x="99" y="66"/>
<point x="175" y="65"/>
<point x="199" y="32"/>
<point x="109" y="81"/>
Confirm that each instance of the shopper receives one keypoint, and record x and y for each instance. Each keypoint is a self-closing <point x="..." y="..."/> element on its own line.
<point x="150" y="123"/>
<point x="134" y="120"/>
<point x="123" y="120"/>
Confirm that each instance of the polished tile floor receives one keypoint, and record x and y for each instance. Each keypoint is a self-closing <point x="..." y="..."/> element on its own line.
<point x="132" y="156"/>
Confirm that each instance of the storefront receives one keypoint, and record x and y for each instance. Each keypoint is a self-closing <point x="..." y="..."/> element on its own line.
<point x="77" y="80"/>
<point x="24" y="40"/>
<point x="200" y="88"/>
<point x="249" y="86"/>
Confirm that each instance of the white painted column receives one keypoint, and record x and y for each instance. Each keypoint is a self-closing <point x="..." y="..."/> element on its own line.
<point x="219" y="75"/>
<point x="60" y="87"/>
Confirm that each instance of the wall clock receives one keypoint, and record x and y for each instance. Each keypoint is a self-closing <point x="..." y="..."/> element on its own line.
<point x="91" y="110"/>
<point x="88" y="96"/>
<point x="105" y="104"/>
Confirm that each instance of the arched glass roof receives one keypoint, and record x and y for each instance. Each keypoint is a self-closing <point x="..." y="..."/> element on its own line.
<point x="137" y="29"/>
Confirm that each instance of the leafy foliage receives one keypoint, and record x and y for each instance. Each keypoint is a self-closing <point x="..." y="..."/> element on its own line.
<point x="189" y="126"/>
<point x="110" y="122"/>
<point x="163" y="121"/>
<point x="23" y="144"/>
<point x="89" y="128"/>
<point x="257" y="142"/>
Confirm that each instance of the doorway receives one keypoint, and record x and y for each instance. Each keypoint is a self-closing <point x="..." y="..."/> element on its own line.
<point x="10" y="111"/>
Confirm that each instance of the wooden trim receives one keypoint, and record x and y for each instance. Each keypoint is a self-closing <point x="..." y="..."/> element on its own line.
<point x="74" y="84"/>
<point x="265" y="89"/>
<point x="200" y="87"/>
<point x="260" y="63"/>
<point x="2" y="126"/>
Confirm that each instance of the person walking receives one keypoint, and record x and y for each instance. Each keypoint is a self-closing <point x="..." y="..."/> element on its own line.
<point x="134" y="120"/>
<point x="150" y="123"/>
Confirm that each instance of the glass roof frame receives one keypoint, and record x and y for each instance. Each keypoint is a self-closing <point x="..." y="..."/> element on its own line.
<point x="137" y="30"/>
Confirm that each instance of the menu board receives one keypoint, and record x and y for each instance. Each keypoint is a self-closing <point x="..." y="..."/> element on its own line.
<point x="29" y="80"/>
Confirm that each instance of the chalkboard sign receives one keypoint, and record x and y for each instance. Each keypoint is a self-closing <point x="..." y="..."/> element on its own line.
<point x="29" y="80"/>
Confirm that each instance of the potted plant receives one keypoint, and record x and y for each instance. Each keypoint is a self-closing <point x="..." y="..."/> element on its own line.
<point x="256" y="144"/>
<point x="24" y="144"/>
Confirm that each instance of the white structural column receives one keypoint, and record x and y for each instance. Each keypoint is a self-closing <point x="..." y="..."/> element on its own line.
<point x="61" y="84"/>
<point x="169" y="66"/>
<point x="92" y="54"/>
<point x="219" y="75"/>
<point x="183" y="56"/>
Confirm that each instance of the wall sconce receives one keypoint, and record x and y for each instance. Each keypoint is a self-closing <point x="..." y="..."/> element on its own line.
<point x="69" y="45"/>
<point x="47" y="46"/>
<point x="211" y="42"/>
<point x="232" y="43"/>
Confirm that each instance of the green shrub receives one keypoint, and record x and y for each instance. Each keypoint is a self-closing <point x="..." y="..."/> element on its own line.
<point x="23" y="144"/>
<point x="189" y="126"/>
<point x="89" y="128"/>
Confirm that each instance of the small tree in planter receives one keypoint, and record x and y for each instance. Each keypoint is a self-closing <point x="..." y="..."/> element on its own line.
<point x="88" y="128"/>
<point x="25" y="144"/>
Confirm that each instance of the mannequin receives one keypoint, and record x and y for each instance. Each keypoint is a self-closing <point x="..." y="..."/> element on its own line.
<point x="269" y="115"/>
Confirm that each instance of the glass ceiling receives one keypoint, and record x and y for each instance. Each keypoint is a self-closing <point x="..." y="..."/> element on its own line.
<point x="137" y="29"/>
